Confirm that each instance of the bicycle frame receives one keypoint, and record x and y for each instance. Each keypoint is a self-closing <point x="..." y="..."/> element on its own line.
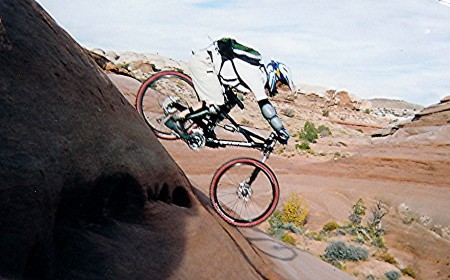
<point x="250" y="180"/>
<point x="253" y="140"/>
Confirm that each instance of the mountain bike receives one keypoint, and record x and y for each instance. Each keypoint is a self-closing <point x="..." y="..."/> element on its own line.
<point x="243" y="191"/>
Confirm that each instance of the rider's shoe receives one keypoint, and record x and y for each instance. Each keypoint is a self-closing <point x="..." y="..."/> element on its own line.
<point x="175" y="125"/>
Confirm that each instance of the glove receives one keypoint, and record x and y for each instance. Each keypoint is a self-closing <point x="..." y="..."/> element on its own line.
<point x="283" y="136"/>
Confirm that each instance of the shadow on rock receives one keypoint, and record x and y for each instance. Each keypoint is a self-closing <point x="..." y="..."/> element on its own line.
<point x="86" y="192"/>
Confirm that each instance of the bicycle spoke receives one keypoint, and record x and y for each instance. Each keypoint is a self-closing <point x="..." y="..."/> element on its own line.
<point x="241" y="202"/>
<point x="226" y="194"/>
<point x="154" y="92"/>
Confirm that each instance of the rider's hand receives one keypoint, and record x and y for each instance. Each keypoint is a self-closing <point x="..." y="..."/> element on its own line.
<point x="283" y="136"/>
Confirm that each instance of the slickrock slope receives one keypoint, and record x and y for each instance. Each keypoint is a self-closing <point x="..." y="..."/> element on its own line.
<point x="86" y="191"/>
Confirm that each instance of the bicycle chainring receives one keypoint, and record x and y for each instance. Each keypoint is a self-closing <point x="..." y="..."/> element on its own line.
<point x="196" y="140"/>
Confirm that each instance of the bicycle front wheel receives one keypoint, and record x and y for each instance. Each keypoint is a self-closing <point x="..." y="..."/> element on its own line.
<point x="244" y="192"/>
<point x="156" y="91"/>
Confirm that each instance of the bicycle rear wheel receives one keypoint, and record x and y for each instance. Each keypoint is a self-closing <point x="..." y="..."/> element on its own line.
<point x="244" y="192"/>
<point x="155" y="91"/>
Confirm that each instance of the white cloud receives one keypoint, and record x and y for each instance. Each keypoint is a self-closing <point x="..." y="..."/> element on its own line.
<point x="371" y="48"/>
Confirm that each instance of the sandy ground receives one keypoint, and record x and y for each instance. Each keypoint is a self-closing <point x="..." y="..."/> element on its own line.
<point x="395" y="174"/>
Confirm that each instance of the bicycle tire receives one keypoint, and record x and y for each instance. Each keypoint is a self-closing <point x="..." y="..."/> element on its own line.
<point x="224" y="191"/>
<point x="155" y="90"/>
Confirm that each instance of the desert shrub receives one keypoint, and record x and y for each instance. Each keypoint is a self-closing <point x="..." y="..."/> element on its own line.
<point x="338" y="251"/>
<point x="386" y="257"/>
<point x="124" y="65"/>
<point x="338" y="155"/>
<point x="392" y="275"/>
<point x="291" y="227"/>
<point x="324" y="131"/>
<point x="295" y="211"/>
<point x="309" y="132"/>
<point x="408" y="271"/>
<point x="276" y="224"/>
<point x="314" y="235"/>
<point x="330" y="226"/>
<point x="375" y="221"/>
<point x="286" y="238"/>
<point x="378" y="241"/>
<point x="367" y="111"/>
<point x="409" y="218"/>
<point x="358" y="211"/>
<point x="304" y="146"/>
<point x="325" y="113"/>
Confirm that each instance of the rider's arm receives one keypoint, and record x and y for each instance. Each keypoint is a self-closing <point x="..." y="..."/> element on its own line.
<point x="270" y="114"/>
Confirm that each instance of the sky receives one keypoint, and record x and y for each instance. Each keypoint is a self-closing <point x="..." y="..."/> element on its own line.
<point x="373" y="49"/>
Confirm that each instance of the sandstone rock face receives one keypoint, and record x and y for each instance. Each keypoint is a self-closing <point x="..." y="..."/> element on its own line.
<point x="143" y="65"/>
<point x="445" y="99"/>
<point x="438" y="114"/>
<point x="86" y="191"/>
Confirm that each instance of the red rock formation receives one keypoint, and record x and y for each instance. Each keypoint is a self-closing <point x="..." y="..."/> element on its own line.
<point x="86" y="191"/>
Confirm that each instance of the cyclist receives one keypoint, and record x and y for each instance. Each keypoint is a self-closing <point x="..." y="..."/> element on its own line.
<point x="228" y="62"/>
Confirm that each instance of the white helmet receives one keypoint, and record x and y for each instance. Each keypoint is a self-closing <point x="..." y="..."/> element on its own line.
<point x="278" y="71"/>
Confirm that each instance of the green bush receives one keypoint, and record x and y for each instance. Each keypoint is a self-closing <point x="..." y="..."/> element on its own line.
<point x="378" y="241"/>
<point x="309" y="132"/>
<point x="304" y="146"/>
<point x="358" y="211"/>
<point x="330" y="226"/>
<point x="408" y="271"/>
<point x="276" y="224"/>
<point x="286" y="238"/>
<point x="291" y="227"/>
<point x="338" y="251"/>
<point x="314" y="235"/>
<point x="386" y="257"/>
<point x="392" y="275"/>
<point x="124" y="65"/>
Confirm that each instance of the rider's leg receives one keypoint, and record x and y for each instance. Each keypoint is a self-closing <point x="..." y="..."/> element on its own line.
<point x="176" y="122"/>
<point x="204" y="73"/>
<point x="207" y="86"/>
<point x="198" y="106"/>
<point x="176" y="126"/>
<point x="270" y="114"/>
<point x="254" y="76"/>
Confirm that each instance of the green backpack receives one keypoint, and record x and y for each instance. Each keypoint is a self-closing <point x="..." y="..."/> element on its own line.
<point x="230" y="49"/>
